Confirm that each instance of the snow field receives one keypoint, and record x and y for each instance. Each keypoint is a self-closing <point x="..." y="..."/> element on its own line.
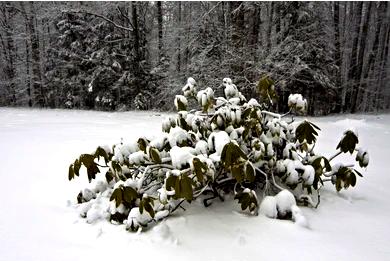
<point x="39" y="222"/>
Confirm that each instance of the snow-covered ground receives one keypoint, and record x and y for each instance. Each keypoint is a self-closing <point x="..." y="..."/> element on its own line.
<point x="37" y="223"/>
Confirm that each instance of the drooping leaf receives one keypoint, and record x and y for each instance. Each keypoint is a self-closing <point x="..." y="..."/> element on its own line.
<point x="141" y="206"/>
<point x="180" y="105"/>
<point x="87" y="160"/>
<point x="247" y="200"/>
<point x="116" y="166"/>
<point x="266" y="89"/>
<point x="250" y="172"/>
<point x="352" y="179"/>
<point x="92" y="170"/>
<point x="348" y="142"/>
<point x="129" y="195"/>
<point x="142" y="144"/>
<point x="109" y="176"/>
<point x="306" y="131"/>
<point x="154" y="155"/>
<point x="149" y="208"/>
<point x="186" y="190"/>
<point x="117" y="196"/>
<point x="232" y="154"/>
<point x="170" y="182"/>
<point x="80" y="198"/>
<point x="178" y="192"/>
<point x="76" y="167"/>
<point x="71" y="172"/>
<point x="238" y="174"/>
<point x="184" y="125"/>
<point x="246" y="113"/>
<point x="200" y="168"/>
<point x="100" y="152"/>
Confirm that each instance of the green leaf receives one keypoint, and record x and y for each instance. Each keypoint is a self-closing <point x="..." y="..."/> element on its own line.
<point x="250" y="172"/>
<point x="352" y="179"/>
<point x="92" y="170"/>
<point x="266" y="89"/>
<point x="148" y="207"/>
<point x="200" y="168"/>
<point x="117" y="196"/>
<point x="141" y="206"/>
<point x="76" y="167"/>
<point x="180" y="106"/>
<point x="327" y="164"/>
<point x="170" y="183"/>
<point x="232" y="154"/>
<point x="226" y="156"/>
<point x="246" y="200"/>
<point x="142" y="144"/>
<point x="186" y="188"/>
<point x="237" y="173"/>
<point x="116" y="166"/>
<point x="245" y="134"/>
<point x="71" y="172"/>
<point x="348" y="142"/>
<point x="184" y="125"/>
<point x="338" y="184"/>
<point x="178" y="188"/>
<point x="246" y="113"/>
<point x="87" y="160"/>
<point x="129" y="195"/>
<point x="306" y="131"/>
<point x="100" y="152"/>
<point x="154" y="155"/>
<point x="109" y="176"/>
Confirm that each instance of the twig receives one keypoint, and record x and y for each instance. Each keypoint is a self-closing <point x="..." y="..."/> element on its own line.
<point x="275" y="115"/>
<point x="125" y="16"/>
<point x="151" y="186"/>
<point x="178" y="205"/>
<point x="104" y="18"/>
<point x="276" y="184"/>
<point x="201" y="191"/>
<point x="335" y="155"/>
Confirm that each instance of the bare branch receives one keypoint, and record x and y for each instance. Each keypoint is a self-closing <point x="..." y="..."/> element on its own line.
<point x="104" y="18"/>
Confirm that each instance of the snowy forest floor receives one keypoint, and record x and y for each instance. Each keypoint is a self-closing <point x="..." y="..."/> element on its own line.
<point x="37" y="223"/>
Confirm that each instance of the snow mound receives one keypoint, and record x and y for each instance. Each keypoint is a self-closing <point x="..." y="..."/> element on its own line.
<point x="284" y="201"/>
<point x="268" y="207"/>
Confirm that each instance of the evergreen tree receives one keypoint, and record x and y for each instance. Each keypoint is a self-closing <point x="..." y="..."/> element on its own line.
<point x="301" y="62"/>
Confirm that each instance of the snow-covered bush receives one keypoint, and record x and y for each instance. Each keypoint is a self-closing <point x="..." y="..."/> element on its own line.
<point x="227" y="146"/>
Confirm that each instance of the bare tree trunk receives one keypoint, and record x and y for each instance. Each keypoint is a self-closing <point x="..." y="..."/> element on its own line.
<point x="352" y="72"/>
<point x="270" y="24"/>
<point x="38" y="90"/>
<point x="383" y="73"/>
<point x="160" y="30"/>
<point x="137" y="53"/>
<point x="9" y="55"/>
<point x="254" y="26"/>
<point x="337" y="55"/>
<point x="370" y="95"/>
<point x="360" y="61"/>
<point x="278" y="22"/>
<point x="28" y="75"/>
<point x="178" y="65"/>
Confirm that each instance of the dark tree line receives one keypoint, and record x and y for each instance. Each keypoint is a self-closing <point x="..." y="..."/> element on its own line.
<point x="126" y="55"/>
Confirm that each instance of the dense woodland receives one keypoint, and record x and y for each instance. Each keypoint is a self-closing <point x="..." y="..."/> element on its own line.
<point x="137" y="55"/>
